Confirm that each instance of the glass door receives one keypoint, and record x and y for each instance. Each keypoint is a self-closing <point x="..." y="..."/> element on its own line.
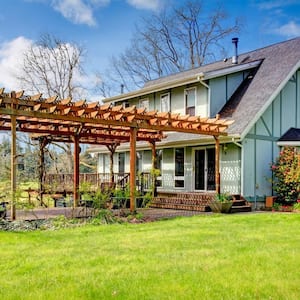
<point x="204" y="169"/>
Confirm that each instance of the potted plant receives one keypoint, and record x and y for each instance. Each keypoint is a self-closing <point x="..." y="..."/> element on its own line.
<point x="221" y="204"/>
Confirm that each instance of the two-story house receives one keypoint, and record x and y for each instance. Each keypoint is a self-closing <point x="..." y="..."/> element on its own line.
<point x="259" y="90"/>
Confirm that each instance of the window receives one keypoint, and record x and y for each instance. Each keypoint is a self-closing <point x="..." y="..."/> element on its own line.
<point x="165" y="102"/>
<point x="190" y="100"/>
<point x="139" y="162"/>
<point x="122" y="163"/>
<point x="179" y="167"/>
<point x="144" y="103"/>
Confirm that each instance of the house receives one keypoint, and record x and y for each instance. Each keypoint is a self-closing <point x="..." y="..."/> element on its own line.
<point x="259" y="90"/>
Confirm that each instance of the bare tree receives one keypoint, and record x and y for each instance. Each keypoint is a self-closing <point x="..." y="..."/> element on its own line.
<point x="51" y="67"/>
<point x="177" y="39"/>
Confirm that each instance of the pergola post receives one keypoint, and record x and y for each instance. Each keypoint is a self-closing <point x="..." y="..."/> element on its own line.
<point x="133" y="132"/>
<point x="217" y="165"/>
<point x="76" y="171"/>
<point x="42" y="144"/>
<point x="13" y="168"/>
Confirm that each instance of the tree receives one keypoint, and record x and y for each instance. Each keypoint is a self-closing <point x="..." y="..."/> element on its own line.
<point x="53" y="67"/>
<point x="179" y="38"/>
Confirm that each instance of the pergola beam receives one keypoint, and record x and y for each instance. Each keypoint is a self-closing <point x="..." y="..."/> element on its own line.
<point x="64" y="120"/>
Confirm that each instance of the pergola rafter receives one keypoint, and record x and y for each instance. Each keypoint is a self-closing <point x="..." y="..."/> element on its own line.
<point x="64" y="120"/>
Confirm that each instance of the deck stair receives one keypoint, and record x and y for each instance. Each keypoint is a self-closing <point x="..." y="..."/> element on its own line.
<point x="183" y="201"/>
<point x="240" y="204"/>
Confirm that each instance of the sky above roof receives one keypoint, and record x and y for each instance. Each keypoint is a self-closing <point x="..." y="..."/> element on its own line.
<point x="105" y="27"/>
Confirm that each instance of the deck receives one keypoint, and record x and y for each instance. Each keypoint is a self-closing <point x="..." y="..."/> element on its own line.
<point x="83" y="212"/>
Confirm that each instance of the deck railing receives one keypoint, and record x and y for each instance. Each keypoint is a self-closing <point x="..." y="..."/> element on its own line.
<point x="64" y="182"/>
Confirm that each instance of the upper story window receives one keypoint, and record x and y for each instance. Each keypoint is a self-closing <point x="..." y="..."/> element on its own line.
<point x="165" y="102"/>
<point x="144" y="103"/>
<point x="190" y="101"/>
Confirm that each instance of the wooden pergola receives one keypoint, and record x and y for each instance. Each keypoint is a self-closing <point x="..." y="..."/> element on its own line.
<point x="64" y="120"/>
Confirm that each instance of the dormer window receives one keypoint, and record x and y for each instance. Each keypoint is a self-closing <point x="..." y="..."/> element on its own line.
<point x="165" y="102"/>
<point x="190" y="101"/>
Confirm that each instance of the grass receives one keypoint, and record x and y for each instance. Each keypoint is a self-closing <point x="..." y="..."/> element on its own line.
<point x="242" y="256"/>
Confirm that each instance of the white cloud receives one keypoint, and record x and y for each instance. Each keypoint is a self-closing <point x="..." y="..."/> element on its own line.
<point x="146" y="4"/>
<point x="11" y="61"/>
<point x="269" y="5"/>
<point x="290" y="29"/>
<point x="79" y="11"/>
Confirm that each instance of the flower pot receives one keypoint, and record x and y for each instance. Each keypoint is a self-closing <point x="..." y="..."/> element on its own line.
<point x="220" y="207"/>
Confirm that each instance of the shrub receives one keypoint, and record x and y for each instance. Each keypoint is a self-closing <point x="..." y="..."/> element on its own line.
<point x="286" y="174"/>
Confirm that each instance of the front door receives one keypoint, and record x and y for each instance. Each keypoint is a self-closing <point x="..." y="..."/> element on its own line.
<point x="204" y="166"/>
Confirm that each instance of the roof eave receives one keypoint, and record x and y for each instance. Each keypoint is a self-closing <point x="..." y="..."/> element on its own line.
<point x="179" y="82"/>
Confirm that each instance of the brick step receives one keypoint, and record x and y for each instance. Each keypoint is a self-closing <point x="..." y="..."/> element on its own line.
<point x="180" y="206"/>
<point x="240" y="202"/>
<point x="240" y="208"/>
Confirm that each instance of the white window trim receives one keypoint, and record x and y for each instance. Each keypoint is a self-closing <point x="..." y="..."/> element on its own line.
<point x="169" y="104"/>
<point x="141" y="101"/>
<point x="185" y="94"/>
<point x="179" y="177"/>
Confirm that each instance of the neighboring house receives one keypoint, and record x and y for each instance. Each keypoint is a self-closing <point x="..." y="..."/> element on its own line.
<point x="259" y="90"/>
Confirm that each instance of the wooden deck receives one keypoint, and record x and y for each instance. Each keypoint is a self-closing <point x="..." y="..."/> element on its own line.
<point x="82" y="212"/>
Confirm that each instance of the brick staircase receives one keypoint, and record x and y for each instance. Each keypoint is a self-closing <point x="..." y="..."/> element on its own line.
<point x="196" y="202"/>
<point x="240" y="204"/>
<point x="183" y="201"/>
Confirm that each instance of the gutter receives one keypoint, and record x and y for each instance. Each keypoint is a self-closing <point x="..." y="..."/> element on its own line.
<point x="200" y="77"/>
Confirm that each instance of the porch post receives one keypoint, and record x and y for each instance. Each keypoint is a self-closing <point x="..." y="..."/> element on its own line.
<point x="133" y="132"/>
<point x="76" y="171"/>
<point x="217" y="165"/>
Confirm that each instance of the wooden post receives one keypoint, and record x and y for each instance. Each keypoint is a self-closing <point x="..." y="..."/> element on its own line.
<point x="133" y="132"/>
<point x="13" y="168"/>
<point x="217" y="165"/>
<point x="76" y="171"/>
<point x="42" y="144"/>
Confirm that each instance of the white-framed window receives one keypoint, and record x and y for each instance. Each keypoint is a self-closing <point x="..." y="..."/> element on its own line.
<point x="144" y="103"/>
<point x="190" y="101"/>
<point x="165" y="102"/>
<point x="179" y="168"/>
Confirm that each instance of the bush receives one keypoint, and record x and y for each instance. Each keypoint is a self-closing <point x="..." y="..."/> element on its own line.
<point x="286" y="175"/>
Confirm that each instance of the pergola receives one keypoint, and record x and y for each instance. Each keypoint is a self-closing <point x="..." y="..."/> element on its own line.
<point x="64" y="120"/>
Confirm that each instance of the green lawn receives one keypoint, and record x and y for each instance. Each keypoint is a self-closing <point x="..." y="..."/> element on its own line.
<point x="241" y="256"/>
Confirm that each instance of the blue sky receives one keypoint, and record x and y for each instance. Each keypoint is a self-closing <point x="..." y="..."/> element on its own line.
<point x="105" y="27"/>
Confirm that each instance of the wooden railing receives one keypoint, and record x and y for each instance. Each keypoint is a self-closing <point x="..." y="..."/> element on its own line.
<point x="64" y="182"/>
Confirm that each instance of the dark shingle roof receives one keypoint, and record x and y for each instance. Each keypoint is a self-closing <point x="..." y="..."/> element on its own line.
<point x="292" y="135"/>
<point x="278" y="62"/>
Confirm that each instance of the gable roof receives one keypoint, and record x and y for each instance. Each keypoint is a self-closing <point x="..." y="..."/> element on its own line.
<point x="279" y="63"/>
<point x="273" y="65"/>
